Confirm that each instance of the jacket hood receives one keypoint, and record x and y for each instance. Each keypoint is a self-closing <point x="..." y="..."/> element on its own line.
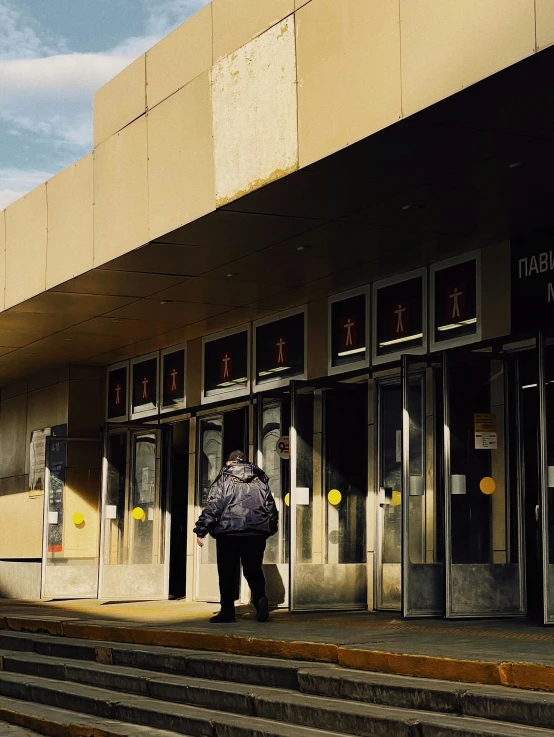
<point x="244" y="471"/>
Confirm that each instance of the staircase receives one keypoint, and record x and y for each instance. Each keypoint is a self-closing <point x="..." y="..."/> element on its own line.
<point x="59" y="686"/>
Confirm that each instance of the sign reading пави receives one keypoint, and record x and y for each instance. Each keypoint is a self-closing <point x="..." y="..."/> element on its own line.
<point x="532" y="266"/>
<point x="486" y="433"/>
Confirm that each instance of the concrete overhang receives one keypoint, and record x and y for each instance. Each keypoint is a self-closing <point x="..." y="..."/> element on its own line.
<point x="466" y="172"/>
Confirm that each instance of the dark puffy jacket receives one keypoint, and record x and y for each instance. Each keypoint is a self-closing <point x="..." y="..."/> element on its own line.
<point x="240" y="501"/>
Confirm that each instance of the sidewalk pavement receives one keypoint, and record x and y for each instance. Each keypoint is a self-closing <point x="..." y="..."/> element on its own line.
<point x="501" y="651"/>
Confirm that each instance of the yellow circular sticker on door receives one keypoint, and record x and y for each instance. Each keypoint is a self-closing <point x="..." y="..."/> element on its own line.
<point x="487" y="485"/>
<point x="78" y="518"/>
<point x="287" y="500"/>
<point x="334" y="497"/>
<point x="138" y="514"/>
<point x="396" y="500"/>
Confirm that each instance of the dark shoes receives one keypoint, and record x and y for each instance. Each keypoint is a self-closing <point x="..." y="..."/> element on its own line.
<point x="223" y="618"/>
<point x="262" y="610"/>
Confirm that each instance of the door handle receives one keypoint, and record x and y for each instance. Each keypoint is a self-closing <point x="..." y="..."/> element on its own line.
<point x="537" y="513"/>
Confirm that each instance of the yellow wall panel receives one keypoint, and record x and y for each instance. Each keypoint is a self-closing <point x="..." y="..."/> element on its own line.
<point x="450" y="45"/>
<point x="121" y="193"/>
<point x="180" y="57"/>
<point x="26" y="247"/>
<point x="180" y="152"/>
<point x="120" y="101"/>
<point x="255" y="114"/>
<point x="348" y="73"/>
<point x="2" y="260"/>
<point x="545" y="23"/>
<point x="70" y="217"/>
<point x="236" y="22"/>
<point x="20" y="520"/>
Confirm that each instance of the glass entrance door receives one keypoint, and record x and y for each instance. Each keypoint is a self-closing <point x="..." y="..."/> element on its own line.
<point x="483" y="500"/>
<point x="71" y="518"/>
<point x="274" y="459"/>
<point x="135" y="534"/>
<point x="329" y="485"/>
<point x="422" y="488"/>
<point x="219" y="434"/>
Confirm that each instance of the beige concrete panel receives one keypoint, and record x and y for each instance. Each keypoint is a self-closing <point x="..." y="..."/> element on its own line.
<point x="121" y="193"/>
<point x="348" y="73"/>
<point x="14" y="390"/>
<point x="180" y="151"/>
<point x="13" y="436"/>
<point x="26" y="232"/>
<point x="47" y="378"/>
<point x="545" y="23"/>
<point x="235" y="22"/>
<point x="180" y="57"/>
<point x="70" y="219"/>
<point x="20" y="520"/>
<point x="194" y="373"/>
<point x="81" y="496"/>
<point x="450" y="45"/>
<point x="2" y="259"/>
<point x="120" y="101"/>
<point x="45" y="408"/>
<point x="317" y="339"/>
<point x="254" y="114"/>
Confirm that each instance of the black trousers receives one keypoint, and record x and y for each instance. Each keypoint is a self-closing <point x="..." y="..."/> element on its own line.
<point x="233" y="550"/>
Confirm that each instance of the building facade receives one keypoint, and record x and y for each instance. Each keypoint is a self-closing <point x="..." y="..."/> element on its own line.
<point x="320" y="232"/>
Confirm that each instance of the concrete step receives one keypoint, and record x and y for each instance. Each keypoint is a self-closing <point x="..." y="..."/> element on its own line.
<point x="272" y="712"/>
<point x="328" y="681"/>
<point x="22" y="719"/>
<point x="148" y="712"/>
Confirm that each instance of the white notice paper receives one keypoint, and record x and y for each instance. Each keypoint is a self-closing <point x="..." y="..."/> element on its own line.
<point x="111" y="511"/>
<point x="302" y="496"/>
<point x="52" y="518"/>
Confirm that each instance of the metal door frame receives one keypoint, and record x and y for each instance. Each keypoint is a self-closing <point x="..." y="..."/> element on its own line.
<point x="438" y="482"/>
<point x="329" y="383"/>
<point x="129" y="429"/>
<point x="278" y="398"/>
<point x="46" y="504"/>
<point x="394" y="378"/>
<point x="543" y="475"/>
<point x="506" y="358"/>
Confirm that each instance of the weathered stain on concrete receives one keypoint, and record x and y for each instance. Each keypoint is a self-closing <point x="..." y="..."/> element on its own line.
<point x="277" y="174"/>
<point x="255" y="114"/>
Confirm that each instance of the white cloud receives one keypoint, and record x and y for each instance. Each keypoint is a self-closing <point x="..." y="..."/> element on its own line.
<point x="14" y="183"/>
<point x="18" y="37"/>
<point x="46" y="91"/>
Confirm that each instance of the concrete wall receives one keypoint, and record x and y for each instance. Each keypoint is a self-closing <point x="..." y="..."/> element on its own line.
<point x="242" y="94"/>
<point x="72" y="397"/>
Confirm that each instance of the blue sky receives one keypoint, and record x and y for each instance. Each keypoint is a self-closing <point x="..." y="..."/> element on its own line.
<point x="54" y="54"/>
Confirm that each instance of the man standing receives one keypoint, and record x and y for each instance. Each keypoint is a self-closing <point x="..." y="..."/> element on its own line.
<point x="240" y="515"/>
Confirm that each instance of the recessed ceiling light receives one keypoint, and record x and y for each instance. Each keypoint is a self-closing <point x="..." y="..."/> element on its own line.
<point x="515" y="165"/>
<point x="116" y="320"/>
<point x="412" y="206"/>
<point x="303" y="248"/>
<point x="163" y="301"/>
<point x="231" y="274"/>
<point x="68" y="338"/>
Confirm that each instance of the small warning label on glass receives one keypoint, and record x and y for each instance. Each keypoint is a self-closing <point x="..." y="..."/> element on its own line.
<point x="486" y="433"/>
